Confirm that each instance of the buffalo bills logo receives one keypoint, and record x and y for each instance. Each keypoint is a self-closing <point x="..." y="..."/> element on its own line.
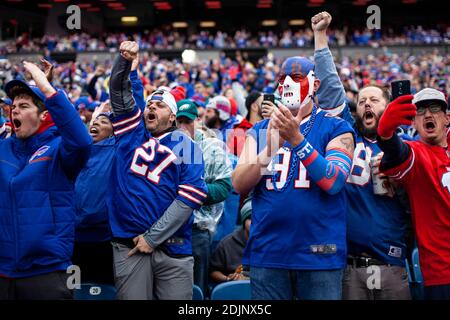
<point x="39" y="152"/>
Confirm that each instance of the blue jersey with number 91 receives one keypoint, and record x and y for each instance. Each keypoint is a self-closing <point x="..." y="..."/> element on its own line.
<point x="302" y="227"/>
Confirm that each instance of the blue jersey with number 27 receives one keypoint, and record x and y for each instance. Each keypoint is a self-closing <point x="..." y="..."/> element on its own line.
<point x="148" y="175"/>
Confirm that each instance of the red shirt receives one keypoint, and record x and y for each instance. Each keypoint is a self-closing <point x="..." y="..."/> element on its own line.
<point x="236" y="139"/>
<point x="426" y="178"/>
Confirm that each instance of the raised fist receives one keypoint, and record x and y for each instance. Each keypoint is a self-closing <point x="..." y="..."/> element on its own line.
<point x="321" y="21"/>
<point x="48" y="69"/>
<point x="99" y="71"/>
<point x="129" y="50"/>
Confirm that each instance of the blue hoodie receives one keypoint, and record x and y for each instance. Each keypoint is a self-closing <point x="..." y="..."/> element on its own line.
<point x="37" y="212"/>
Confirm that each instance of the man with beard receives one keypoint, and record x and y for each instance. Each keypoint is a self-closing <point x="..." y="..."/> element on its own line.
<point x="296" y="163"/>
<point x="218" y="115"/>
<point x="253" y="103"/>
<point x="157" y="182"/>
<point x="423" y="168"/>
<point x="376" y="224"/>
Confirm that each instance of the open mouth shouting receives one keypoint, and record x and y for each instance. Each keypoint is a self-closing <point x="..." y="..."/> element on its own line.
<point x="369" y="118"/>
<point x="151" y="117"/>
<point x="17" y="124"/>
<point x="429" y="125"/>
<point x="94" y="131"/>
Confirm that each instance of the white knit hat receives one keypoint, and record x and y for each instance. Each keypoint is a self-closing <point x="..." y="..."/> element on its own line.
<point x="222" y="104"/>
<point x="166" y="97"/>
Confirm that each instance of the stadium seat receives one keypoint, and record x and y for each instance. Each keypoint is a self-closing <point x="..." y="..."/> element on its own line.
<point x="416" y="266"/>
<point x="95" y="291"/>
<point x="233" y="290"/>
<point x="416" y="284"/>
<point x="197" y="293"/>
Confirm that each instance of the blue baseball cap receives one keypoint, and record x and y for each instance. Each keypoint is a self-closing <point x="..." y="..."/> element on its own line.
<point x="32" y="90"/>
<point x="82" y="102"/>
<point x="91" y="106"/>
<point x="6" y="101"/>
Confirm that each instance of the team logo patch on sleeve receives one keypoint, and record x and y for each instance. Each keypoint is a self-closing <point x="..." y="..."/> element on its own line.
<point x="41" y="151"/>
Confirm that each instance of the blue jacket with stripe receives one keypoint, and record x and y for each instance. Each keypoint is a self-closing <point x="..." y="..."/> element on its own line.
<point x="37" y="212"/>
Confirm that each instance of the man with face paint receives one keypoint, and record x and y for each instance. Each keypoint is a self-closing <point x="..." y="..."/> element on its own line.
<point x="297" y="163"/>
<point x="376" y="224"/>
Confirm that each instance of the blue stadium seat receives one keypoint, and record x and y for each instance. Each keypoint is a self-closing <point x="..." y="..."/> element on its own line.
<point x="233" y="290"/>
<point x="416" y="266"/>
<point x="416" y="285"/>
<point x="95" y="291"/>
<point x="197" y="293"/>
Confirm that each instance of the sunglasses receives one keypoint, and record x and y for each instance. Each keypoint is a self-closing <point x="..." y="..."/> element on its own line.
<point x="434" y="108"/>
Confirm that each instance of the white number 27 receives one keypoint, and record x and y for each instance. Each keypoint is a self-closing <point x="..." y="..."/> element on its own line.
<point x="147" y="153"/>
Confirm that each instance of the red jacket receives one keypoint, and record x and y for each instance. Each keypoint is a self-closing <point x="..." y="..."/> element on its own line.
<point x="236" y="139"/>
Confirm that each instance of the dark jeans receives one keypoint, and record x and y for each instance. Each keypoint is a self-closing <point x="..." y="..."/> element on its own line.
<point x="441" y="292"/>
<point x="282" y="284"/>
<point x="201" y="242"/>
<point x="95" y="261"/>
<point x="50" y="286"/>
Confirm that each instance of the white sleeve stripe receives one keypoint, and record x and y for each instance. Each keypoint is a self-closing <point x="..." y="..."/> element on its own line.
<point x="190" y="188"/>
<point x="3" y="128"/>
<point x="121" y="123"/>
<point x="335" y="111"/>
<point x="190" y="198"/>
<point x="400" y="175"/>
<point x="126" y="129"/>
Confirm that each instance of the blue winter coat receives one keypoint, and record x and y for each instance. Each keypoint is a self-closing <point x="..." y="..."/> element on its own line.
<point x="91" y="194"/>
<point x="37" y="212"/>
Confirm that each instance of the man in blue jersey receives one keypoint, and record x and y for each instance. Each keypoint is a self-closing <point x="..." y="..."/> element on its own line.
<point x="297" y="246"/>
<point x="376" y="224"/>
<point x="93" y="252"/>
<point x="157" y="182"/>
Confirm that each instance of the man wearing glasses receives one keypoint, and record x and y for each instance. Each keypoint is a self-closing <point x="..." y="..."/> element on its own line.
<point x="423" y="168"/>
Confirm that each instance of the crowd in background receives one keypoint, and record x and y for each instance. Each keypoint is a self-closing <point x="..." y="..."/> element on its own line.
<point x="169" y="38"/>
<point x="207" y="78"/>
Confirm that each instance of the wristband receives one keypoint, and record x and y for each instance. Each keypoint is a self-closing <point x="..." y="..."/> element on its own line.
<point x="303" y="150"/>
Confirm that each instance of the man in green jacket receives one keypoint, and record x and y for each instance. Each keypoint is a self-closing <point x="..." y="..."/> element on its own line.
<point x="218" y="170"/>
